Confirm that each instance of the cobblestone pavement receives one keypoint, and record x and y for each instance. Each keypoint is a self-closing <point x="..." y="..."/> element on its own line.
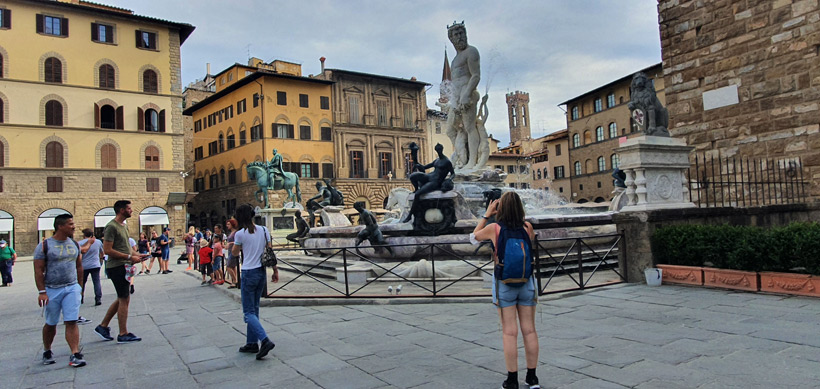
<point x="620" y="336"/>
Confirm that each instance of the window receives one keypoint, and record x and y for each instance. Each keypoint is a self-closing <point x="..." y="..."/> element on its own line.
<point x="576" y="140"/>
<point x="326" y="133"/>
<point x="256" y="133"/>
<point x="221" y="177"/>
<point x="514" y="116"/>
<point x="282" y="98"/>
<point x="231" y="176"/>
<point x="601" y="164"/>
<point x="598" y="105"/>
<point x="102" y="33"/>
<point x="304" y="132"/>
<point x="610" y="100"/>
<point x="255" y="100"/>
<point x="327" y="170"/>
<point x="286" y="131"/>
<point x="108" y="117"/>
<point x="198" y="154"/>
<point x="149" y="81"/>
<point x="546" y="173"/>
<point x="557" y="150"/>
<point x="381" y="113"/>
<point x="577" y="168"/>
<point x="614" y="161"/>
<point x="53" y="70"/>
<point x="54" y="184"/>
<point x="2" y="155"/>
<point x="574" y="115"/>
<point x="151" y="120"/>
<point x="385" y="164"/>
<point x="305" y="170"/>
<point x="54" y="155"/>
<point x="599" y="134"/>
<point x="303" y="100"/>
<point x="51" y="25"/>
<point x="355" y="117"/>
<point x="146" y="40"/>
<point x="242" y="137"/>
<point x="108" y="156"/>
<point x="510" y="169"/>
<point x="357" y="164"/>
<point x="54" y="113"/>
<point x="5" y="19"/>
<point x="241" y="106"/>
<point x="409" y="119"/>
<point x="213" y="149"/>
<point x="230" y="77"/>
<point x="522" y="169"/>
<point x="199" y="184"/>
<point x="324" y="102"/>
<point x="152" y="184"/>
<point x="438" y="128"/>
<point x="231" y="141"/>
<point x="230" y="206"/>
<point x="539" y="174"/>
<point x="109" y="184"/>
<point x="213" y="181"/>
<point x="613" y="130"/>
<point x="1" y="70"/>
<point x="106" y="76"/>
<point x="587" y="138"/>
<point x="221" y="140"/>
<point x="524" y="120"/>
<point x="152" y="157"/>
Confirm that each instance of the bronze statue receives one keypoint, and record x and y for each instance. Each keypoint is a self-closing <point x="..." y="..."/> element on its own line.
<point x="328" y="195"/>
<point x="424" y="183"/>
<point x="302" y="230"/>
<point x="371" y="230"/>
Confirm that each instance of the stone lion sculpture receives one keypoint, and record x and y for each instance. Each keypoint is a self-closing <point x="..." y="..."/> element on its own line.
<point x="644" y="98"/>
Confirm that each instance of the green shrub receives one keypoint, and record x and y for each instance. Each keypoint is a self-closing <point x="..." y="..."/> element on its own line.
<point x="795" y="247"/>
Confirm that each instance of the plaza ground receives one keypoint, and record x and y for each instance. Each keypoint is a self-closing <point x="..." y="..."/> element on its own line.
<point x="619" y="336"/>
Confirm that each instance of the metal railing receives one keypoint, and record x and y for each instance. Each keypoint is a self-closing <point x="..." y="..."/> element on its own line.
<point x="746" y="182"/>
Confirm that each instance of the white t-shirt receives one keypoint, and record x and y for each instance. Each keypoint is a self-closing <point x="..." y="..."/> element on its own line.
<point x="252" y="245"/>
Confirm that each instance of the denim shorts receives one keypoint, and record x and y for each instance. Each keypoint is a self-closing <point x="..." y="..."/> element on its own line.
<point x="507" y="296"/>
<point x="66" y="300"/>
<point x="218" y="263"/>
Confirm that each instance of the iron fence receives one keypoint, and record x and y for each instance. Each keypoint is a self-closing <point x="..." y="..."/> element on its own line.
<point x="746" y="182"/>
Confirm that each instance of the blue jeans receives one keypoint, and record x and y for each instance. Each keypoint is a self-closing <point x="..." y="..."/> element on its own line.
<point x="253" y="282"/>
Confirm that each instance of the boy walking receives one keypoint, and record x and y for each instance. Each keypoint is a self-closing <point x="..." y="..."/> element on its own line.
<point x="205" y="266"/>
<point x="58" y="288"/>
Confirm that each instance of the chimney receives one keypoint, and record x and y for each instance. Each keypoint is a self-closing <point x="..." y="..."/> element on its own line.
<point x="322" y="60"/>
<point x="207" y="68"/>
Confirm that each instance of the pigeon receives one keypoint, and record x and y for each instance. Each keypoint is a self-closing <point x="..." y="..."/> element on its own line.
<point x="398" y="289"/>
<point x="390" y="289"/>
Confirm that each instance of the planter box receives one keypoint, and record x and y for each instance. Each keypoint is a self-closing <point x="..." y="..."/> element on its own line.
<point x="731" y="279"/>
<point x="689" y="275"/>
<point x="790" y="283"/>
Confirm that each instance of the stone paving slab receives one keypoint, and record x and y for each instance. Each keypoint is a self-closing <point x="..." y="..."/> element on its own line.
<point x="612" y="337"/>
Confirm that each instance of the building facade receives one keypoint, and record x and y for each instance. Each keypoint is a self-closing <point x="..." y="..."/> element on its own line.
<point x="597" y="121"/>
<point x="742" y="79"/>
<point x="88" y="115"/>
<point x="549" y="163"/>
<point x="194" y="93"/>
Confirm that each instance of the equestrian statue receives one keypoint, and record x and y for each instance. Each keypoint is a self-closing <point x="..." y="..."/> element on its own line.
<point x="271" y="176"/>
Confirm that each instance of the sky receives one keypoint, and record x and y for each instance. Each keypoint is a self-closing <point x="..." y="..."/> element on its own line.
<point x="553" y="49"/>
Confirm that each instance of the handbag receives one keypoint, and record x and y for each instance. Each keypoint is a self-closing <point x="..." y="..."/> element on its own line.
<point x="269" y="256"/>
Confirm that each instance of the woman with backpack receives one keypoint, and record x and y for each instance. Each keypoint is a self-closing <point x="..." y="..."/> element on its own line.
<point x="514" y="289"/>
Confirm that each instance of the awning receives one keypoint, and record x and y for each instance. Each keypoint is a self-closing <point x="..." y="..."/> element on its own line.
<point x="45" y="222"/>
<point x="180" y="198"/>
<point x="6" y="225"/>
<point x="104" y="216"/>
<point x="153" y="216"/>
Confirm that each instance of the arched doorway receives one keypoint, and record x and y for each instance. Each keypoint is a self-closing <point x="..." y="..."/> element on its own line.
<point x="101" y="218"/>
<point x="7" y="227"/>
<point x="153" y="218"/>
<point x="45" y="222"/>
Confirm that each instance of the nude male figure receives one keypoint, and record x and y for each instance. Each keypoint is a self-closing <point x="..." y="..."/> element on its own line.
<point x="466" y="73"/>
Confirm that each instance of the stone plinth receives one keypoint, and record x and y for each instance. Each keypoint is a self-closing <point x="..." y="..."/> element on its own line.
<point x="332" y="217"/>
<point x="279" y="218"/>
<point x="655" y="173"/>
<point x="437" y="213"/>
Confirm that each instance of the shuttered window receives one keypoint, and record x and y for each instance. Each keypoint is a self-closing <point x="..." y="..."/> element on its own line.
<point x="54" y="155"/>
<point x="327" y="170"/>
<point x="303" y="100"/>
<point x="357" y="164"/>
<point x="54" y="184"/>
<point x="102" y="33"/>
<point x="51" y="25"/>
<point x="152" y="184"/>
<point x="381" y="113"/>
<point x="53" y="70"/>
<point x="149" y="81"/>
<point x="152" y="157"/>
<point x="324" y="102"/>
<point x="109" y="184"/>
<point x="326" y="133"/>
<point x="282" y="98"/>
<point x="304" y="132"/>
<point x="146" y="40"/>
<point x="385" y="164"/>
<point x="108" y="156"/>
<point x="5" y="18"/>
<point x="54" y="113"/>
<point x="353" y="103"/>
<point x="106" y="76"/>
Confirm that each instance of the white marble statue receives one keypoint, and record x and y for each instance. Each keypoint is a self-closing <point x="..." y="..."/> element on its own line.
<point x="397" y="201"/>
<point x="469" y="137"/>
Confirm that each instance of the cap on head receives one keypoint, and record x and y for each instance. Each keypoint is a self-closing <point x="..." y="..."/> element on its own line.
<point x="3" y="241"/>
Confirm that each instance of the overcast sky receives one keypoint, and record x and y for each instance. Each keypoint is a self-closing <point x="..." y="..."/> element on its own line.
<point x="553" y="49"/>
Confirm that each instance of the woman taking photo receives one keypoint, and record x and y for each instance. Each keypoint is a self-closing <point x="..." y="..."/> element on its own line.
<point x="251" y="241"/>
<point x="514" y="295"/>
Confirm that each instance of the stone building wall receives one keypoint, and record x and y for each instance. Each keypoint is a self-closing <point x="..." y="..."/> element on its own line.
<point x="742" y="78"/>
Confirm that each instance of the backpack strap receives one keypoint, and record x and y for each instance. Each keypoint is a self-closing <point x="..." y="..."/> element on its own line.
<point x="495" y="249"/>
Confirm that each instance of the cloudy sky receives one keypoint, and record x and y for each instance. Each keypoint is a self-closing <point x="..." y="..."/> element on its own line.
<point x="553" y="49"/>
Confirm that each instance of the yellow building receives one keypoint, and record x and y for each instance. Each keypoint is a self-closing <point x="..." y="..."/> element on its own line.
<point x="89" y="115"/>
<point x="234" y="127"/>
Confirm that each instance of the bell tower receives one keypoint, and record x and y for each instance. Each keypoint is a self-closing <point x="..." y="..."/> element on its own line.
<point x="518" y="110"/>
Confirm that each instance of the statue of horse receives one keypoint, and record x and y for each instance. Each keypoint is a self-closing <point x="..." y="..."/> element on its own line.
<point x="397" y="199"/>
<point x="258" y="171"/>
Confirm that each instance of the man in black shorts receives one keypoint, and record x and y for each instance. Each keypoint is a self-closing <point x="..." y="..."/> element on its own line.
<point x="121" y="257"/>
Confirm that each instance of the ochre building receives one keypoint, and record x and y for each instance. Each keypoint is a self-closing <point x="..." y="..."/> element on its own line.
<point x="90" y="113"/>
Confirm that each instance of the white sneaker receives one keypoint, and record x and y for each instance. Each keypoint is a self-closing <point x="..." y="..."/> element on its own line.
<point x="82" y="320"/>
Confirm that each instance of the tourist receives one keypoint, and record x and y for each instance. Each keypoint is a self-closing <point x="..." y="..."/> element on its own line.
<point x="232" y="260"/>
<point x="205" y="265"/>
<point x="92" y="251"/>
<point x="518" y="297"/>
<point x="208" y="235"/>
<point x="251" y="241"/>
<point x="131" y="268"/>
<point x="190" y="245"/>
<point x="165" y="244"/>
<point x="7" y="258"/>
<point x="119" y="254"/>
<point x="156" y="253"/>
<point x="143" y="249"/>
<point x="58" y="287"/>
<point x="218" y="256"/>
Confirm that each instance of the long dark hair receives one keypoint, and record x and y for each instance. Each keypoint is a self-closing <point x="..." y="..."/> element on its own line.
<point x="510" y="210"/>
<point x="244" y="216"/>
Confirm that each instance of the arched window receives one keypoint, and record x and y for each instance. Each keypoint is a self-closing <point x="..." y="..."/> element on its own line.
<point x="108" y="117"/>
<point x="577" y="168"/>
<point x="108" y="156"/>
<point x="539" y="174"/>
<point x="151" y="120"/>
<point x="149" y="81"/>
<point x="599" y="134"/>
<point x="576" y="140"/>
<point x="2" y="155"/>
<point x="107" y="76"/>
<point x="1" y="66"/>
<point x="546" y="173"/>
<point x="221" y="143"/>
<point x="221" y="177"/>
<point x="613" y="130"/>
<point x="614" y="161"/>
<point x="588" y="166"/>
<point x="151" y="158"/>
<point x="54" y="113"/>
<point x="54" y="154"/>
<point x="2" y="118"/>
<point x="601" y="164"/>
<point x="53" y="69"/>
<point x="587" y="138"/>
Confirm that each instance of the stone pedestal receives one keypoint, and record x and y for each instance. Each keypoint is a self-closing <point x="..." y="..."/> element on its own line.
<point x="332" y="217"/>
<point x="279" y="218"/>
<point x="655" y="168"/>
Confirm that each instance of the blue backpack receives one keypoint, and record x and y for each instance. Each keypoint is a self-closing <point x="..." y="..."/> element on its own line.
<point x="514" y="253"/>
